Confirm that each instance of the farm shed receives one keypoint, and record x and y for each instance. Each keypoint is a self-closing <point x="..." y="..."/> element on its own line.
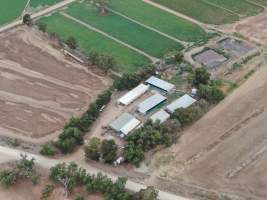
<point x="151" y="103"/>
<point x="161" y="116"/>
<point x="161" y="84"/>
<point x="133" y="94"/>
<point x="125" y="123"/>
<point x="183" y="102"/>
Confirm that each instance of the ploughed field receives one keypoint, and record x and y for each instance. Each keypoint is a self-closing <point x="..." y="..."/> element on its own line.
<point x="216" y="12"/>
<point x="39" y="89"/>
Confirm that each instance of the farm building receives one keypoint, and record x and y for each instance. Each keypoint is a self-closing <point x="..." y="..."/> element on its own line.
<point x="161" y="84"/>
<point x="183" y="102"/>
<point x="161" y="116"/>
<point x="133" y="94"/>
<point x="125" y="123"/>
<point x="151" y="103"/>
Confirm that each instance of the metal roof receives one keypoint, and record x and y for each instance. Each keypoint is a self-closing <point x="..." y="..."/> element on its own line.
<point x="125" y="123"/>
<point x="161" y="115"/>
<point x="150" y="103"/>
<point x="183" y="102"/>
<point x="133" y="94"/>
<point x="159" y="83"/>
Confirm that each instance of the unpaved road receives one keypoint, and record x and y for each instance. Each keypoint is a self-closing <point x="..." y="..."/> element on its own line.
<point x="48" y="163"/>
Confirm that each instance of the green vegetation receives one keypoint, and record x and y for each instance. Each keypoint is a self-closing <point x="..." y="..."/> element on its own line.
<point x="260" y="2"/>
<point x="238" y="6"/>
<point x="23" y="169"/>
<point x="200" y="10"/>
<point x="48" y="150"/>
<point x="157" y="18"/>
<point x="36" y="3"/>
<point x="127" y="60"/>
<point x="71" y="176"/>
<point x="47" y="191"/>
<point x="11" y="10"/>
<point x="129" y="32"/>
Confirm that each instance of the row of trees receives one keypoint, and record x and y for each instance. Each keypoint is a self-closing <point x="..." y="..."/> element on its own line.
<point x="23" y="169"/>
<point x="75" y="129"/>
<point x="71" y="176"/>
<point x="97" y="150"/>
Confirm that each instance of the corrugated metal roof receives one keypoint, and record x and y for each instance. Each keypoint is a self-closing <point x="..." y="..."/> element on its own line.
<point x="183" y="102"/>
<point x="133" y="94"/>
<point x="161" y="115"/>
<point x="131" y="125"/>
<point x="159" y="83"/>
<point x="121" y="121"/>
<point x="150" y="103"/>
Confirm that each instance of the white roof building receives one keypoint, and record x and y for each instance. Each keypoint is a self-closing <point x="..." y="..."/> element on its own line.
<point x="151" y="103"/>
<point x="125" y="123"/>
<point x="183" y="102"/>
<point x="133" y="94"/>
<point x="161" y="116"/>
<point x="161" y="84"/>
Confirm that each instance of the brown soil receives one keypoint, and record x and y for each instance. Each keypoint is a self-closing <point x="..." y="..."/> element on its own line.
<point x="225" y="151"/>
<point x="39" y="88"/>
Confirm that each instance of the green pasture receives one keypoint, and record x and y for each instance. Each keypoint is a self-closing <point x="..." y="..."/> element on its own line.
<point x="127" y="59"/>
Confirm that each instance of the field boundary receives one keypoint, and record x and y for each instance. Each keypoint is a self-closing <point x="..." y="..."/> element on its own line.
<point x="153" y="59"/>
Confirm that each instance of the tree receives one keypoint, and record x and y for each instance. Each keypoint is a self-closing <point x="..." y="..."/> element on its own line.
<point x="134" y="154"/>
<point x="42" y="26"/>
<point x="179" y="57"/>
<point x="186" y="115"/>
<point x="150" y="193"/>
<point x="92" y="150"/>
<point x="109" y="151"/>
<point x="102" y="5"/>
<point x="72" y="43"/>
<point x="201" y="76"/>
<point x="211" y="93"/>
<point x="27" y="19"/>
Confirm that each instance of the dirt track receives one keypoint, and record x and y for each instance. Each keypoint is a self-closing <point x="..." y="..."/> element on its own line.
<point x="39" y="88"/>
<point x="225" y="151"/>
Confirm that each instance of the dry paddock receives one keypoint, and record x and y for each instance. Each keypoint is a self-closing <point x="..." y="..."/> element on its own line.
<point x="40" y="89"/>
<point x="225" y="152"/>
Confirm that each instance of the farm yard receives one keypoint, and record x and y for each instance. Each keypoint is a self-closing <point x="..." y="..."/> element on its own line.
<point x="11" y="11"/>
<point x="40" y="90"/>
<point x="214" y="11"/>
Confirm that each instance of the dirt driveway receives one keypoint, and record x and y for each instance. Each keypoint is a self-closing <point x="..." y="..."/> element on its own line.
<point x="39" y="88"/>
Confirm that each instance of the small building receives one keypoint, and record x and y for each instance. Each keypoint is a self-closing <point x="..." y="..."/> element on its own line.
<point x="160" y="116"/>
<point x="151" y="103"/>
<point x="161" y="84"/>
<point x="124" y="124"/>
<point x="183" y="102"/>
<point x="133" y="94"/>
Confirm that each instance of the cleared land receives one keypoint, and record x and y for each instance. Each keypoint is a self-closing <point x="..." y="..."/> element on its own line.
<point x="254" y="28"/>
<point x="200" y="10"/>
<point x="240" y="7"/>
<point x="157" y="18"/>
<point x="123" y="29"/>
<point x="36" y="3"/>
<point x="225" y="151"/>
<point x="10" y="11"/>
<point x="127" y="59"/>
<point x="39" y="89"/>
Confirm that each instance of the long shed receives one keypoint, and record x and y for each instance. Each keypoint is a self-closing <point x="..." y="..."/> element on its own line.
<point x="151" y="103"/>
<point x="161" y="84"/>
<point x="183" y="102"/>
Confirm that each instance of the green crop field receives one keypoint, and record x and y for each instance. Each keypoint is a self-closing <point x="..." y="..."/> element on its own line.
<point x="260" y="2"/>
<point x="200" y="10"/>
<point x="238" y="6"/>
<point x="157" y="18"/>
<point x="9" y="11"/>
<point x="127" y="59"/>
<point x="36" y="3"/>
<point x="125" y="30"/>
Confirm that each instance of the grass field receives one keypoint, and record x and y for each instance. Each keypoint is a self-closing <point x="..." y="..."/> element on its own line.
<point x="260" y="2"/>
<point x="36" y="3"/>
<point x="127" y="59"/>
<point x="9" y="11"/>
<point x="127" y="31"/>
<point x="157" y="18"/>
<point x="238" y="6"/>
<point x="200" y="10"/>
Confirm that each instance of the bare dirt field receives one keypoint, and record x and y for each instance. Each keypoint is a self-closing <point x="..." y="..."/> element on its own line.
<point x="225" y="152"/>
<point x="254" y="28"/>
<point x="40" y="89"/>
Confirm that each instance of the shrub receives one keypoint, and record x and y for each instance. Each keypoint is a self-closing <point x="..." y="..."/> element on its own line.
<point x="109" y="151"/>
<point x="47" y="150"/>
<point x="47" y="191"/>
<point x="72" y="43"/>
<point x="92" y="150"/>
<point x="211" y="93"/>
<point x="201" y="76"/>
